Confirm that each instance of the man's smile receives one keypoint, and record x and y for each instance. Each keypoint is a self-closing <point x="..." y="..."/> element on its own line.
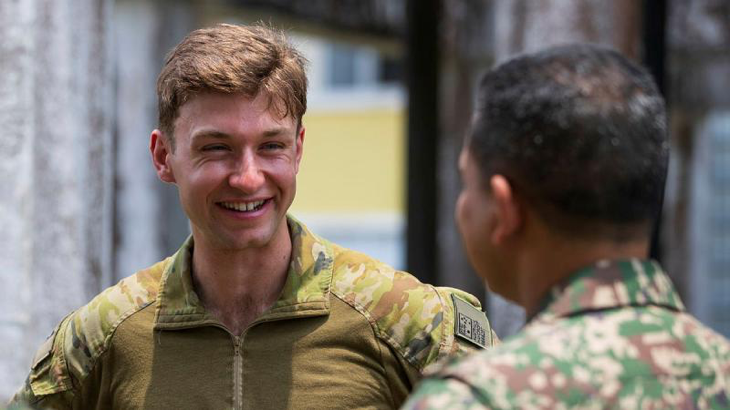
<point x="243" y="206"/>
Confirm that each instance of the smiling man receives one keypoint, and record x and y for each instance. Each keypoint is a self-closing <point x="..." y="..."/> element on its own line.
<point x="563" y="178"/>
<point x="254" y="311"/>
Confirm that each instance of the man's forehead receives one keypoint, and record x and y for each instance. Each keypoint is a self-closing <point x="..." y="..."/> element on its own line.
<point x="223" y="107"/>
<point x="205" y="100"/>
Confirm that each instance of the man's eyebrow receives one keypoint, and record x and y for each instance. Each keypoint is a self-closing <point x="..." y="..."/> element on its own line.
<point x="210" y="134"/>
<point x="274" y="132"/>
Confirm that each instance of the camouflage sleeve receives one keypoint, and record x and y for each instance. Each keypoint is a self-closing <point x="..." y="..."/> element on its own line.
<point x="449" y="393"/>
<point x="48" y="385"/>
<point x="416" y="320"/>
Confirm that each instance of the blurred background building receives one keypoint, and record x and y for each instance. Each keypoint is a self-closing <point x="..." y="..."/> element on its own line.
<point x="391" y="95"/>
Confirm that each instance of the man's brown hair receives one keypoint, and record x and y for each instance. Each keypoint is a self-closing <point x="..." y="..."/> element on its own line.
<point x="233" y="59"/>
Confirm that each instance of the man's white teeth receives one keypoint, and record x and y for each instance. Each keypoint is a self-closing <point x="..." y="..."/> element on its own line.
<point x="243" y="206"/>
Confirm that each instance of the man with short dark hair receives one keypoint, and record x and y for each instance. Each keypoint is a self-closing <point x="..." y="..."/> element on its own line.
<point x="254" y="311"/>
<point x="563" y="175"/>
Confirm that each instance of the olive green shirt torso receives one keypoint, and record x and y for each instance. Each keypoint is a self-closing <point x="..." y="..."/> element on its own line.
<point x="195" y="367"/>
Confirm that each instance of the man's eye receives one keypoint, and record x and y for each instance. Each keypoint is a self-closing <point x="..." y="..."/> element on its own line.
<point x="216" y="147"/>
<point x="272" y="146"/>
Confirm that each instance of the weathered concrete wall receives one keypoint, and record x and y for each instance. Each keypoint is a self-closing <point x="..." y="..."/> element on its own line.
<point x="55" y="169"/>
<point x="526" y="25"/>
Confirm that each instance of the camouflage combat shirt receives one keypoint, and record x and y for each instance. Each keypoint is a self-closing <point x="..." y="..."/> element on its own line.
<point x="614" y="335"/>
<point x="347" y="332"/>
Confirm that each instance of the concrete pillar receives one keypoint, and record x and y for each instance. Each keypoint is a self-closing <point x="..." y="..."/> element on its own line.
<point x="55" y="169"/>
<point x="150" y="223"/>
<point x="467" y="49"/>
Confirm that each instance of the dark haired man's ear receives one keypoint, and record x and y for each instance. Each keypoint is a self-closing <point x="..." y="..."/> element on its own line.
<point x="508" y="218"/>
<point x="161" y="150"/>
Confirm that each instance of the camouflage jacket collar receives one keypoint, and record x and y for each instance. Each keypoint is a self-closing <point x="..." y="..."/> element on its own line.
<point x="305" y="293"/>
<point x="611" y="284"/>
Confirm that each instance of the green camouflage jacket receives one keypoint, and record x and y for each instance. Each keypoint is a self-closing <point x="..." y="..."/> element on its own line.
<point x="346" y="332"/>
<point x="614" y="335"/>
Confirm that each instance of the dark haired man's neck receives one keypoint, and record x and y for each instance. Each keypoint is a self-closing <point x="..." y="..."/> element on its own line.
<point x="544" y="266"/>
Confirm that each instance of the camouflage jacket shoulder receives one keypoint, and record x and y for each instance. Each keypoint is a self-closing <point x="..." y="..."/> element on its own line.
<point x="417" y="320"/>
<point x="612" y="335"/>
<point x="71" y="351"/>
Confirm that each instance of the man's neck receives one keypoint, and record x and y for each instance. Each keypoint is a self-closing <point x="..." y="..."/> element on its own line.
<point x="237" y="286"/>
<point x="548" y="265"/>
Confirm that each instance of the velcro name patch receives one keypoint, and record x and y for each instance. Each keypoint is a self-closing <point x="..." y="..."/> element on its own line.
<point x="44" y="351"/>
<point x="471" y="323"/>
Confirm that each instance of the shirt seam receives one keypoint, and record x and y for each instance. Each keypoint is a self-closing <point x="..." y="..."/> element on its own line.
<point x="378" y="332"/>
<point x="591" y="310"/>
<point x="108" y="339"/>
<point x="382" y="360"/>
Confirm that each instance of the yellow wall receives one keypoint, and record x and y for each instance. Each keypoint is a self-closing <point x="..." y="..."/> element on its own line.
<point x="353" y="161"/>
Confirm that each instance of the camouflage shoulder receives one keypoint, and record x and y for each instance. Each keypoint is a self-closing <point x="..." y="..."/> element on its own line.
<point x="591" y="359"/>
<point x="94" y="324"/>
<point x="417" y="320"/>
<point x="69" y="354"/>
<point x="445" y="393"/>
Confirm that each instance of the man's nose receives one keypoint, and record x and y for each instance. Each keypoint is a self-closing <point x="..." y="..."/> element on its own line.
<point x="248" y="176"/>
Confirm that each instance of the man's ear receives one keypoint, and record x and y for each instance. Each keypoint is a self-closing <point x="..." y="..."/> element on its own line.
<point x="161" y="149"/>
<point x="509" y="219"/>
<point x="299" y="146"/>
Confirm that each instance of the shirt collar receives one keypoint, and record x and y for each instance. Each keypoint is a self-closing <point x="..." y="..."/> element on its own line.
<point x="611" y="284"/>
<point x="305" y="292"/>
